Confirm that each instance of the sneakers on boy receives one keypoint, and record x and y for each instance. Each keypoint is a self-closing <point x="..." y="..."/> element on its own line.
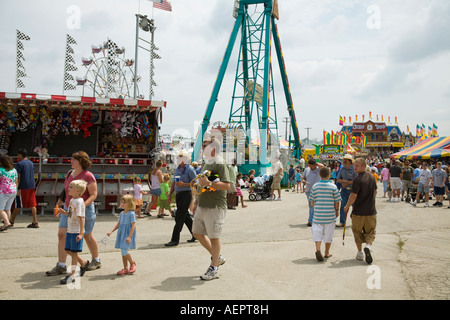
<point x="56" y="270"/>
<point x="211" y="273"/>
<point x="67" y="279"/>
<point x="427" y="205"/>
<point x="414" y="203"/>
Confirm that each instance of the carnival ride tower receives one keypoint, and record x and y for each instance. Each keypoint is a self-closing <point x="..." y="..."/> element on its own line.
<point x="253" y="95"/>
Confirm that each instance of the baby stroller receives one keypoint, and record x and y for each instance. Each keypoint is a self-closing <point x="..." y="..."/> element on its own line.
<point x="413" y="193"/>
<point x="261" y="188"/>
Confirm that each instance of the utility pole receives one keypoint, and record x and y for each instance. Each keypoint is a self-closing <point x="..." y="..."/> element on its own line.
<point x="286" y="120"/>
<point x="307" y="133"/>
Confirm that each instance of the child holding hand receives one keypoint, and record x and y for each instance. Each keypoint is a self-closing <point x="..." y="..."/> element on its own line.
<point x="75" y="228"/>
<point x="126" y="236"/>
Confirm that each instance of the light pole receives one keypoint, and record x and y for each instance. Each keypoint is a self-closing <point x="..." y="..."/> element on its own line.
<point x="142" y="22"/>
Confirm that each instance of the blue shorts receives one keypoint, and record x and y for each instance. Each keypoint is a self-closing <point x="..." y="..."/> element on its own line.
<point x="423" y="188"/>
<point x="155" y="192"/>
<point x="89" y="219"/>
<point x="438" y="191"/>
<point x="72" y="244"/>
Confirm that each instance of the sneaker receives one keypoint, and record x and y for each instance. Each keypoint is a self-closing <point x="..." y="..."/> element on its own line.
<point x="360" y="256"/>
<point x="83" y="269"/>
<point x="56" y="270"/>
<point x="221" y="260"/>
<point x="210" y="274"/>
<point x="367" y="251"/>
<point x="278" y="199"/>
<point x="414" y="203"/>
<point x="94" y="265"/>
<point x="440" y="204"/>
<point x="67" y="279"/>
<point x="435" y="204"/>
<point x="427" y="205"/>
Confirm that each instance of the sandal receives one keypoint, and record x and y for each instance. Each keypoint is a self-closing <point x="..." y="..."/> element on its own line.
<point x="319" y="256"/>
<point x="133" y="268"/>
<point x="3" y="228"/>
<point x="33" y="225"/>
<point x="122" y="272"/>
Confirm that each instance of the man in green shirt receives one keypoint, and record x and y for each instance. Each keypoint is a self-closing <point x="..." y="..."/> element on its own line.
<point x="211" y="205"/>
<point x="407" y="178"/>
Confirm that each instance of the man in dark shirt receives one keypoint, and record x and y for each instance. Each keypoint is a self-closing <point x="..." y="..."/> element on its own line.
<point x="395" y="172"/>
<point x="364" y="219"/>
<point x="26" y="197"/>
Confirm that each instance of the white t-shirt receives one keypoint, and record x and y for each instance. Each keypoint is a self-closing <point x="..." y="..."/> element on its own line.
<point x="276" y="167"/>
<point x="76" y="209"/>
<point x="424" y="175"/>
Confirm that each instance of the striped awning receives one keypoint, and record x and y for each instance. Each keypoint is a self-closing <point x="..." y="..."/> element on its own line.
<point x="437" y="147"/>
<point x="61" y="101"/>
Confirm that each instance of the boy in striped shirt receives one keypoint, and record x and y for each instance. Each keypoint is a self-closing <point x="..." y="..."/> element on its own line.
<point x="325" y="199"/>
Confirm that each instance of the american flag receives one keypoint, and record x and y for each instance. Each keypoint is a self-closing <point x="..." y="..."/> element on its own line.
<point x="162" y="4"/>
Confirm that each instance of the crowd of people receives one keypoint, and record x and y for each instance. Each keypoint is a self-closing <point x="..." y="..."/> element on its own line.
<point x="203" y="194"/>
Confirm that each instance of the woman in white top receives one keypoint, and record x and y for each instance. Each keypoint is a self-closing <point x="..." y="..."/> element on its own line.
<point x="156" y="178"/>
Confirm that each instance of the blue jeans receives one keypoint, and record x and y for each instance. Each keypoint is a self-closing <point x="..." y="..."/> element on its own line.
<point x="311" y="208"/>
<point x="345" y="194"/>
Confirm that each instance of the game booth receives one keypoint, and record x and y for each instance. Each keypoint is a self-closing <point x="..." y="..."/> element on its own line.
<point x="120" y="136"/>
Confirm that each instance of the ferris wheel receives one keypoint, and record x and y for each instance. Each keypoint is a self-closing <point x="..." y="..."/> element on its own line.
<point x="108" y="73"/>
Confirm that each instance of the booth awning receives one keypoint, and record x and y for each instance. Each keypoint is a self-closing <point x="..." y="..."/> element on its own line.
<point x="61" y="101"/>
<point x="436" y="147"/>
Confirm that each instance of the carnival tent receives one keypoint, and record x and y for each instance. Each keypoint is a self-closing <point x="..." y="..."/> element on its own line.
<point x="436" y="147"/>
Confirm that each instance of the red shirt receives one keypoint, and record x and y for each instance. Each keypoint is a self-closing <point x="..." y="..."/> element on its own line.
<point x="84" y="175"/>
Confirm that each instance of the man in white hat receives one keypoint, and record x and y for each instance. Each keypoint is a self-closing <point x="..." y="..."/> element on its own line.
<point x="345" y="178"/>
<point x="211" y="206"/>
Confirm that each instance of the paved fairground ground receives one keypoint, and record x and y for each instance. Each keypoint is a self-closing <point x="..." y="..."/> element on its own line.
<point x="269" y="255"/>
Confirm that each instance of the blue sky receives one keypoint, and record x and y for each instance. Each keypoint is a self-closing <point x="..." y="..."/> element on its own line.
<point x="343" y="57"/>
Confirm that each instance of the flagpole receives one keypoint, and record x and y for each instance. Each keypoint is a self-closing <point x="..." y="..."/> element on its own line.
<point x="65" y="64"/>
<point x="17" y="58"/>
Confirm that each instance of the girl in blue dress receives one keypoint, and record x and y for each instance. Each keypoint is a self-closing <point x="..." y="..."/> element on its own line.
<point x="126" y="236"/>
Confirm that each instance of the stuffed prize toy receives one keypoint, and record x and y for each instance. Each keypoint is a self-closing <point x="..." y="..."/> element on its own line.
<point x="34" y="116"/>
<point x="65" y="123"/>
<point x="45" y="120"/>
<point x="22" y="120"/>
<point x="86" y="123"/>
<point x="75" y="125"/>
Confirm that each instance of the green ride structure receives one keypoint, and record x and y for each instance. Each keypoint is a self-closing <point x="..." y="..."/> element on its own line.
<point x="253" y="93"/>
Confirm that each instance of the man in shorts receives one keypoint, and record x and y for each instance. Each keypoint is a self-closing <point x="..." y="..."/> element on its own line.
<point x="394" y="178"/>
<point x="277" y="177"/>
<point x="26" y="197"/>
<point x="211" y="205"/>
<point x="438" y="184"/>
<point x="425" y="177"/>
<point x="364" y="213"/>
<point x="407" y="178"/>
